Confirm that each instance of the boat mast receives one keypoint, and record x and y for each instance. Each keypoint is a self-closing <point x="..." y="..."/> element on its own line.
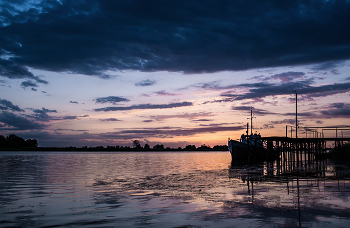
<point x="251" y="122"/>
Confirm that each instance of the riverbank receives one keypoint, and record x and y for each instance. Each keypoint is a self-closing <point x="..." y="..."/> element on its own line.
<point x="109" y="149"/>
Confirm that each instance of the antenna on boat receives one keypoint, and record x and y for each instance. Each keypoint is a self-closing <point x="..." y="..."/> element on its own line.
<point x="251" y="122"/>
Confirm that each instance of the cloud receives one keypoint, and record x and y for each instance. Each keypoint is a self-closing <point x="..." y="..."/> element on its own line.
<point x="338" y="110"/>
<point x="70" y="117"/>
<point x="249" y="108"/>
<point x="202" y="120"/>
<point x="26" y="84"/>
<point x="13" y="70"/>
<point x="18" y="122"/>
<point x="285" y="121"/>
<point x="111" y="99"/>
<point x="302" y="87"/>
<point x="110" y="119"/>
<point x="329" y="65"/>
<point x="145" y="106"/>
<point x="288" y="76"/>
<point x="145" y="83"/>
<point x="73" y="102"/>
<point x="172" y="132"/>
<point x="91" y="37"/>
<point x="42" y="114"/>
<point x="190" y="116"/>
<point x="8" y="105"/>
<point x="164" y="93"/>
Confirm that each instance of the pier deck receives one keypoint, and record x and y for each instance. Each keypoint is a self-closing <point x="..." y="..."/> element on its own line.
<point x="298" y="148"/>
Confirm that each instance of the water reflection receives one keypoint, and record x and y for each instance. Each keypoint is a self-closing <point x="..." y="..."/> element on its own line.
<point x="300" y="193"/>
<point x="169" y="190"/>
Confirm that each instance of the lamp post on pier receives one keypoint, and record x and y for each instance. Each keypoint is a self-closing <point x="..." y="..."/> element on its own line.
<point x="296" y="114"/>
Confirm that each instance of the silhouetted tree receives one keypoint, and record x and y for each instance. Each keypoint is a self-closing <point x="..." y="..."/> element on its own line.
<point x="158" y="147"/>
<point x="15" y="141"/>
<point x="31" y="143"/>
<point x="217" y="147"/>
<point x="136" y="144"/>
<point x="203" y="147"/>
<point x="190" y="147"/>
<point x="2" y="141"/>
<point x="147" y="147"/>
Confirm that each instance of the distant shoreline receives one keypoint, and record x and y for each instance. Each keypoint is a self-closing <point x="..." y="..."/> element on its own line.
<point x="94" y="149"/>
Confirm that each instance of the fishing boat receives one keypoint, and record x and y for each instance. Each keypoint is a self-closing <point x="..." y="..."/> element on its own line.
<point x="248" y="146"/>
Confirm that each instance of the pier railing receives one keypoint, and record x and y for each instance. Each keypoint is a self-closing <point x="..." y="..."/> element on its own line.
<point x="300" y="148"/>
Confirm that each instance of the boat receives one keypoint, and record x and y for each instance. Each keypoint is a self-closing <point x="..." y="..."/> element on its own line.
<point x="248" y="146"/>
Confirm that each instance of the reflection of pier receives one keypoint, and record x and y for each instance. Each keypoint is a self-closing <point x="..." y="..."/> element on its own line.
<point x="293" y="183"/>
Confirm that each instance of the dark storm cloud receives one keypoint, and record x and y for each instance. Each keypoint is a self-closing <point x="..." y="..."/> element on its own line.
<point x="302" y="87"/>
<point x="145" y="106"/>
<point x="90" y="37"/>
<point x="145" y="83"/>
<point x="111" y="99"/>
<point x="18" y="122"/>
<point x="329" y="65"/>
<point x="12" y="70"/>
<point x="8" y="105"/>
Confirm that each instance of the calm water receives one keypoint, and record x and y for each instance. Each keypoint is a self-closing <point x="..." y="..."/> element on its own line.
<point x="52" y="189"/>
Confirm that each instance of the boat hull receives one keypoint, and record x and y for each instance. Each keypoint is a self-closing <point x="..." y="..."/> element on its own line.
<point x="238" y="150"/>
<point x="243" y="151"/>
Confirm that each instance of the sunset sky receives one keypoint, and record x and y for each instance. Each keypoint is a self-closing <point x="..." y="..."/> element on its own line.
<point x="91" y="73"/>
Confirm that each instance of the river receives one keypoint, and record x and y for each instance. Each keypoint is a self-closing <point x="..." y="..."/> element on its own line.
<point x="168" y="189"/>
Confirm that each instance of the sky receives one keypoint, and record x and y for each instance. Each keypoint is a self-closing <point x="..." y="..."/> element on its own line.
<point x="98" y="73"/>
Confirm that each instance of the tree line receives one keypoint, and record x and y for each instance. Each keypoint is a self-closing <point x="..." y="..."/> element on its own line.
<point x="14" y="141"/>
<point x="147" y="147"/>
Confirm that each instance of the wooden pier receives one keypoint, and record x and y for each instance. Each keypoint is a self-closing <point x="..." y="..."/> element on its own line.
<point x="300" y="148"/>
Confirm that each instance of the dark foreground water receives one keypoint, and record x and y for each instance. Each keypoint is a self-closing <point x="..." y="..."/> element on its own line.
<point x="52" y="189"/>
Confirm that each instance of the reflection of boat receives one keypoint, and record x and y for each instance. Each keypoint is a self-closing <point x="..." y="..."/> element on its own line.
<point x="248" y="145"/>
